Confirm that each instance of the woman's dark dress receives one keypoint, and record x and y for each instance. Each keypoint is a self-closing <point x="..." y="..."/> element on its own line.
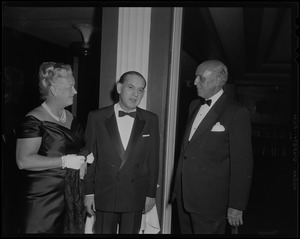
<point x="53" y="198"/>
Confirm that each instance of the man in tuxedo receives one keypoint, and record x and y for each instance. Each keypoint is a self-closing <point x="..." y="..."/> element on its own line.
<point x="213" y="176"/>
<point x="121" y="183"/>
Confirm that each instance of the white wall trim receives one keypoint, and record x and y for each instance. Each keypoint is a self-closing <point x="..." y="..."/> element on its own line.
<point x="172" y="118"/>
<point x="134" y="42"/>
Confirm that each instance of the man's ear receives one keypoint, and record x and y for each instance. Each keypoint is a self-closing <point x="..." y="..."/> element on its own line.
<point x="119" y="87"/>
<point x="220" y="81"/>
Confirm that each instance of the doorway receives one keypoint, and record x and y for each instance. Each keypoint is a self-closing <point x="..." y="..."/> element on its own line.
<point x="272" y="194"/>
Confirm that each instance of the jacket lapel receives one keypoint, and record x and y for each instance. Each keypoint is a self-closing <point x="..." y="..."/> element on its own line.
<point x="113" y="132"/>
<point x="190" y="123"/>
<point x="210" y="119"/>
<point x="137" y="129"/>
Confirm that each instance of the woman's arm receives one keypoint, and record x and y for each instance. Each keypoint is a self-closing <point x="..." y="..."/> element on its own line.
<point x="27" y="156"/>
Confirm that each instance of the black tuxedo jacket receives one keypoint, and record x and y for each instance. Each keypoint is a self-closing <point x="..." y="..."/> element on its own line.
<point x="216" y="165"/>
<point x="121" y="180"/>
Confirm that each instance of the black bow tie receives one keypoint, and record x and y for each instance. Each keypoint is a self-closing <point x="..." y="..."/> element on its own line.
<point x="203" y="101"/>
<point x="123" y="113"/>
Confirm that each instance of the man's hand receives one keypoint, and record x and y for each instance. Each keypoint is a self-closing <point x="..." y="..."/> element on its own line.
<point x="235" y="217"/>
<point x="150" y="202"/>
<point x="89" y="202"/>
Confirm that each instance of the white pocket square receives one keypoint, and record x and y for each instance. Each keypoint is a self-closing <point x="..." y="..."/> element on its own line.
<point x="218" y="127"/>
<point x="146" y="135"/>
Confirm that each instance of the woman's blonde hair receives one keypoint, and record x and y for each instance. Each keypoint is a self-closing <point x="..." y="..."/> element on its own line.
<point x="49" y="74"/>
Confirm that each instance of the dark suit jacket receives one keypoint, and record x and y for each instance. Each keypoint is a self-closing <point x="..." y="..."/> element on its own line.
<point x="120" y="179"/>
<point x="216" y="167"/>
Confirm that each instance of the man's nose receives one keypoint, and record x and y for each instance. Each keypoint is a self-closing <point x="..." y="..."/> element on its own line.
<point x="74" y="91"/>
<point x="135" y="92"/>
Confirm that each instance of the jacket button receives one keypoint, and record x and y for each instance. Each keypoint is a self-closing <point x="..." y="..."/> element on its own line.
<point x="118" y="179"/>
<point x="113" y="165"/>
<point x="185" y="157"/>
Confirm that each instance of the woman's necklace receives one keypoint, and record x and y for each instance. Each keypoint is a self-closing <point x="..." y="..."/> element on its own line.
<point x="63" y="117"/>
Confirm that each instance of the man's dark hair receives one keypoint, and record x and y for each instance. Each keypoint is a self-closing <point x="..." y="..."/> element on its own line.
<point x="123" y="77"/>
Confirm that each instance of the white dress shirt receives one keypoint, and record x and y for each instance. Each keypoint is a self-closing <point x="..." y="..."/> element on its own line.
<point x="125" y="124"/>
<point x="203" y="111"/>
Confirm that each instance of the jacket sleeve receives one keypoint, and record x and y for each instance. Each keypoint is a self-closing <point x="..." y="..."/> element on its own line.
<point x="153" y="160"/>
<point x="241" y="159"/>
<point x="91" y="145"/>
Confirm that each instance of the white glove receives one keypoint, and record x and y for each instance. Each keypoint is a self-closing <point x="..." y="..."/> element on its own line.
<point x="90" y="158"/>
<point x="72" y="161"/>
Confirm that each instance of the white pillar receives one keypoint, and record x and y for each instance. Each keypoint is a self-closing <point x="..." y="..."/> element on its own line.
<point x="171" y="116"/>
<point x="133" y="42"/>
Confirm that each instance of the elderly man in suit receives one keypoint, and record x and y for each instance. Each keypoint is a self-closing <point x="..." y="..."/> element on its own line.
<point x="214" y="171"/>
<point x="121" y="183"/>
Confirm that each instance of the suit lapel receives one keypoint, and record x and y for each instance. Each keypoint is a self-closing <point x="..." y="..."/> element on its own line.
<point x="210" y="119"/>
<point x="113" y="132"/>
<point x="190" y="123"/>
<point x="137" y="129"/>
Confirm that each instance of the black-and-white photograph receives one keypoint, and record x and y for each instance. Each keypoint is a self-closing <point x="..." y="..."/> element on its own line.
<point x="170" y="118"/>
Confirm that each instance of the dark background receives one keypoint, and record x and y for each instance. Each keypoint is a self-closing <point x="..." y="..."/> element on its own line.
<point x="272" y="102"/>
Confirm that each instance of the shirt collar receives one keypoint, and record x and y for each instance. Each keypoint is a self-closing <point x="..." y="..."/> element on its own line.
<point x="215" y="97"/>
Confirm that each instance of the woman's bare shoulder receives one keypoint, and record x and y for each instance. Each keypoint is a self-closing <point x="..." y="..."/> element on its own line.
<point x="38" y="113"/>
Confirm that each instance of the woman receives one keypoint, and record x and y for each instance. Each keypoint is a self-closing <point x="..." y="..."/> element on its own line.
<point x="48" y="152"/>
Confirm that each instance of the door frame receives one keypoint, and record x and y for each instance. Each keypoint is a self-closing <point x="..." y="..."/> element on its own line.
<point x="170" y="135"/>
